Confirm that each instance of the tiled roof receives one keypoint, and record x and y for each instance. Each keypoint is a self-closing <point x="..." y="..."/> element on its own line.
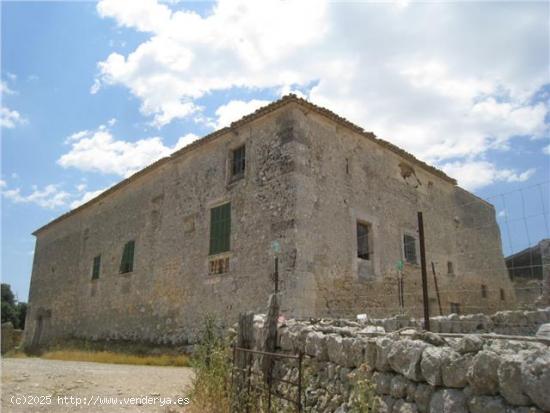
<point x="244" y="120"/>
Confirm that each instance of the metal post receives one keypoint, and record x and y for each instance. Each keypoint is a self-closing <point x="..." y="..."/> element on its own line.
<point x="300" y="357"/>
<point x="437" y="290"/>
<point x="424" y="272"/>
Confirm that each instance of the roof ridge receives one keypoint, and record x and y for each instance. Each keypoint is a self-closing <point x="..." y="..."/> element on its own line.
<point x="264" y="110"/>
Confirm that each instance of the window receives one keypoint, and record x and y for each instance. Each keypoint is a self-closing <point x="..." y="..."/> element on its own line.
<point x="238" y="162"/>
<point x="220" y="228"/>
<point x="502" y="295"/>
<point x="450" y="268"/>
<point x="409" y="248"/>
<point x="455" y="308"/>
<point x="483" y="291"/>
<point x="96" y="268"/>
<point x="363" y="231"/>
<point x="127" y="261"/>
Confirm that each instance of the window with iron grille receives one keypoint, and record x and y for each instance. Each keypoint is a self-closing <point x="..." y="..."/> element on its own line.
<point x="363" y="230"/>
<point x="96" y="268"/>
<point x="409" y="248"/>
<point x="483" y="291"/>
<point x="127" y="261"/>
<point x="220" y="228"/>
<point x="455" y="308"/>
<point x="218" y="265"/>
<point x="238" y="161"/>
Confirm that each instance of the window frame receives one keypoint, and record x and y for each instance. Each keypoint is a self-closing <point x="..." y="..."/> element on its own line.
<point x="220" y="226"/>
<point x="128" y="256"/>
<point x="367" y="239"/>
<point x="455" y="306"/>
<point x="96" y="267"/>
<point x="484" y="291"/>
<point x="404" y="248"/>
<point x="238" y="165"/>
<point x="450" y="268"/>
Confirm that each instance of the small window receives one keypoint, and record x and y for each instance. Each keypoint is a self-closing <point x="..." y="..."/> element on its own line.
<point x="502" y="294"/>
<point x="127" y="261"/>
<point x="363" y="233"/>
<point x="96" y="268"/>
<point x="220" y="229"/>
<point x="238" y="162"/>
<point x="409" y="248"/>
<point x="455" y="308"/>
<point x="450" y="268"/>
<point x="483" y="291"/>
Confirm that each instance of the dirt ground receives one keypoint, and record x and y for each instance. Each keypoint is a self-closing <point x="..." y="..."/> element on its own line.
<point x="94" y="387"/>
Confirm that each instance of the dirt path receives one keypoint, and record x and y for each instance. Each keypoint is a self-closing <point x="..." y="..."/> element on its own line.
<point x="95" y="387"/>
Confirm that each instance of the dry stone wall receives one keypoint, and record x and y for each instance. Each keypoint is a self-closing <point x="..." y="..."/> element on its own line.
<point x="525" y="323"/>
<point x="420" y="373"/>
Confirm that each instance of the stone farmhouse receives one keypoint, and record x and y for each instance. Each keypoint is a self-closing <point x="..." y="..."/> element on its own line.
<point x="198" y="232"/>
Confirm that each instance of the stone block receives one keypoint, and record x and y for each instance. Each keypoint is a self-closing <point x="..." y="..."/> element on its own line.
<point x="405" y="357"/>
<point x="483" y="373"/>
<point x="448" y="401"/>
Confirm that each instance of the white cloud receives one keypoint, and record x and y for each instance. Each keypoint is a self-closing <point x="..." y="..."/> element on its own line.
<point x="87" y="196"/>
<point x="473" y="175"/>
<point x="546" y="150"/>
<point x="51" y="196"/>
<point x="236" y="109"/>
<point x="99" y="151"/>
<point x="5" y="89"/>
<point x="10" y="118"/>
<point x="240" y="44"/>
<point x="436" y="78"/>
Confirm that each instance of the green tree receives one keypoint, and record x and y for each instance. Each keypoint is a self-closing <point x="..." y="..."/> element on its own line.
<point x="12" y="311"/>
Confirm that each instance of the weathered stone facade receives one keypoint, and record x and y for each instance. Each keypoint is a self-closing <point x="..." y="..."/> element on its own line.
<point x="310" y="176"/>
<point x="530" y="274"/>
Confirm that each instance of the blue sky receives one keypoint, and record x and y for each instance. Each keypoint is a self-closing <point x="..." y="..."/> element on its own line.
<point x="92" y="92"/>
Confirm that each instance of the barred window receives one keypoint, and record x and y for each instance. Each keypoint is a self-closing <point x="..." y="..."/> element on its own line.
<point x="96" y="268"/>
<point x="238" y="163"/>
<point x="218" y="265"/>
<point x="363" y="230"/>
<point x="127" y="261"/>
<point x="409" y="248"/>
<point x="220" y="229"/>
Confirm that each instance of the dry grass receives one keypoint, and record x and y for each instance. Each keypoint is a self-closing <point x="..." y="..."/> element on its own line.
<point x="118" y="358"/>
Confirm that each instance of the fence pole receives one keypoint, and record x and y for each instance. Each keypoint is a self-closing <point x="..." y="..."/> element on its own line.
<point x="424" y="272"/>
<point x="300" y="357"/>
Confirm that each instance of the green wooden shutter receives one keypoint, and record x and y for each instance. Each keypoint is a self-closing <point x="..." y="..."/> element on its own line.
<point x="220" y="229"/>
<point x="127" y="261"/>
<point x="96" y="267"/>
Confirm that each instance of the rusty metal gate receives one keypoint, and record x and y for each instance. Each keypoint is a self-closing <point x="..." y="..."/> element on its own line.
<point x="256" y="389"/>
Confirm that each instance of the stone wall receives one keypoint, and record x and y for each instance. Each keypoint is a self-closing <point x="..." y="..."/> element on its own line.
<point x="167" y="212"/>
<point x="343" y="179"/>
<point x="518" y="322"/>
<point x="424" y="373"/>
